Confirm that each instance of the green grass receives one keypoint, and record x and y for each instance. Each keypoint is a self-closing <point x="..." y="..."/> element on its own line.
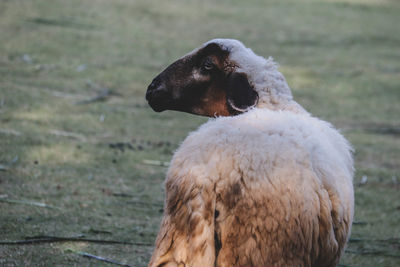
<point x="341" y="58"/>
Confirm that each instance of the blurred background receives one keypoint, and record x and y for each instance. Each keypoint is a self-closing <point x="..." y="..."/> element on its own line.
<point x="83" y="156"/>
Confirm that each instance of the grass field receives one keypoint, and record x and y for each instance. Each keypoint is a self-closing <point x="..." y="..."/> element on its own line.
<point x="76" y="133"/>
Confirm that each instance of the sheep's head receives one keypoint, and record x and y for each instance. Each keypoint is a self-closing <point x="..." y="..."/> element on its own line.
<point x="217" y="79"/>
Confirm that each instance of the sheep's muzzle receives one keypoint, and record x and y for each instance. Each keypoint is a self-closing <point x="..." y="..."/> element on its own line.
<point x="157" y="96"/>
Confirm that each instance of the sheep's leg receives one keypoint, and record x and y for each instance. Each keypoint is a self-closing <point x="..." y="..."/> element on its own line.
<point x="186" y="237"/>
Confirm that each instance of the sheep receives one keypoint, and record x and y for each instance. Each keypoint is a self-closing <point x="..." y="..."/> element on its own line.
<point x="263" y="182"/>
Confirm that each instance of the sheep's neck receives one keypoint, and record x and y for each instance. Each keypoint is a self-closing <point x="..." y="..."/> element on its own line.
<point x="282" y="104"/>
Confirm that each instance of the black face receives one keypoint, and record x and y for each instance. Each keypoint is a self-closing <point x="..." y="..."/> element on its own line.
<point x="201" y="84"/>
<point x="178" y="87"/>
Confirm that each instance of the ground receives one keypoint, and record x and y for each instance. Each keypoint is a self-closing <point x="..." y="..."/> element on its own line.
<point x="77" y="135"/>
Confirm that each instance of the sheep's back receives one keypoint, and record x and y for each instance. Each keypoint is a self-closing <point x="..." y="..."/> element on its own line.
<point x="282" y="183"/>
<point x="263" y="141"/>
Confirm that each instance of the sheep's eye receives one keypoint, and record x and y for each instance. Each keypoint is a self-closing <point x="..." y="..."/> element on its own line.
<point x="208" y="65"/>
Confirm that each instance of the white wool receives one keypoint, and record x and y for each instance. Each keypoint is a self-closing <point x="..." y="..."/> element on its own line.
<point x="262" y="142"/>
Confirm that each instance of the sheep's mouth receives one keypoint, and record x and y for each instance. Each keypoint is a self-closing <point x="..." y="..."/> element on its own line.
<point x="162" y="104"/>
<point x="158" y="105"/>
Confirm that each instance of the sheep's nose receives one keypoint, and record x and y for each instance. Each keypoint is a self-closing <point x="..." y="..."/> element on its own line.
<point x="156" y="90"/>
<point x="154" y="85"/>
<point x="157" y="96"/>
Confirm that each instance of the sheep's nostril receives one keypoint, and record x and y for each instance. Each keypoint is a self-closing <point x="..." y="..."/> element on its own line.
<point x="156" y="92"/>
<point x="153" y="88"/>
<point x="150" y="90"/>
<point x="158" y="99"/>
<point x="154" y="84"/>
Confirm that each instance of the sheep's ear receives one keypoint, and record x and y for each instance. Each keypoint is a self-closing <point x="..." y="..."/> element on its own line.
<point x="240" y="96"/>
